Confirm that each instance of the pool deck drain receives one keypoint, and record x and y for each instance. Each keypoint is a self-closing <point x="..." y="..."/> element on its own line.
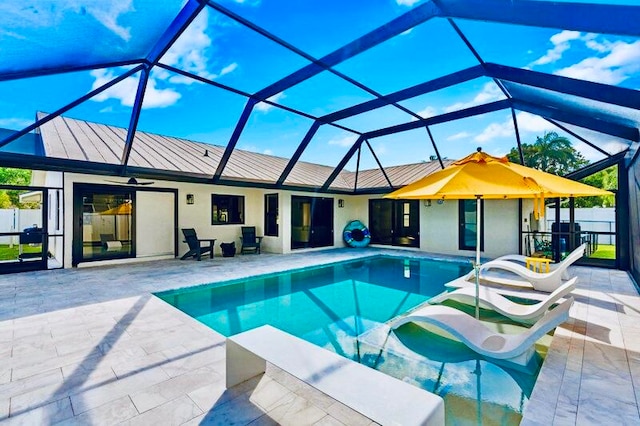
<point x="93" y="346"/>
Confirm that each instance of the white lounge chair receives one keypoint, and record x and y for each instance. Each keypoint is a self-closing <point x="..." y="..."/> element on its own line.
<point x="516" y="348"/>
<point x="540" y="281"/>
<point x="522" y="259"/>
<point x="490" y="299"/>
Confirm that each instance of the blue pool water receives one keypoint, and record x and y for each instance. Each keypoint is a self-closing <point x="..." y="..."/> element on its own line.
<point x="343" y="307"/>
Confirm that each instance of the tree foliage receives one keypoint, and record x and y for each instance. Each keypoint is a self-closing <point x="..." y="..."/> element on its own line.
<point x="605" y="179"/>
<point x="551" y="153"/>
<point x="554" y="154"/>
<point x="11" y="176"/>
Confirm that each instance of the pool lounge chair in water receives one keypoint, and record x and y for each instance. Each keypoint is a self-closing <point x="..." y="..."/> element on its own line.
<point x="514" y="348"/>
<point x="491" y="299"/>
<point x="540" y="281"/>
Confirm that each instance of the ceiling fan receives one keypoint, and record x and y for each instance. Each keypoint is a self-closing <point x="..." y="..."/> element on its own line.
<point x="132" y="181"/>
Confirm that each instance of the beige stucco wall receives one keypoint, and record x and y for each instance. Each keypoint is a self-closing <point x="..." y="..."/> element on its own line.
<point x="438" y="222"/>
<point x="439" y="227"/>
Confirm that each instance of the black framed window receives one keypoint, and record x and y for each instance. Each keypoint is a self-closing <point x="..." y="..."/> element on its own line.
<point x="271" y="215"/>
<point x="227" y="209"/>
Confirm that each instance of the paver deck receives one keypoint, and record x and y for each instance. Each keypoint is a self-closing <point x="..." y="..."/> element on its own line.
<point x="93" y="346"/>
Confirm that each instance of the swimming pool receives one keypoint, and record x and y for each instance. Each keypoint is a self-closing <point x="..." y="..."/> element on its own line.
<point x="343" y="307"/>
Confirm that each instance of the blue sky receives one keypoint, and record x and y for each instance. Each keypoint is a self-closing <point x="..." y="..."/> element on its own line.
<point x="53" y="33"/>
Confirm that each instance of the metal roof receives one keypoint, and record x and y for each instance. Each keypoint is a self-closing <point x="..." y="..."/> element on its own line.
<point x="79" y="140"/>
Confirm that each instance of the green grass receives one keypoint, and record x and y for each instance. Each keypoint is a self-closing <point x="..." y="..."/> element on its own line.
<point x="11" y="253"/>
<point x="605" y="251"/>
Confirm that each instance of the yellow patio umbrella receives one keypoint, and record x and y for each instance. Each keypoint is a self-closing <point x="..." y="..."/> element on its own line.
<point x="481" y="176"/>
<point x="124" y="209"/>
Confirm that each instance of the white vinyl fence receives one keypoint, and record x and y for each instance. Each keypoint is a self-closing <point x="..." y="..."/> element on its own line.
<point x="16" y="220"/>
<point x="596" y="219"/>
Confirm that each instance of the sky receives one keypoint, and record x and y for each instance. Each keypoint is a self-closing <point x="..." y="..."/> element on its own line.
<point x="56" y="33"/>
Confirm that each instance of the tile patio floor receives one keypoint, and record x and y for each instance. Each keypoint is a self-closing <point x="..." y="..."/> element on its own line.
<point x="93" y="346"/>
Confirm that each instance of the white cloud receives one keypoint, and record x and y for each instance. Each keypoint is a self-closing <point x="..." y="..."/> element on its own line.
<point x="15" y="123"/>
<point x="190" y="51"/>
<point x="527" y="123"/>
<point x="614" y="63"/>
<point x="458" y="136"/>
<point x="564" y="37"/>
<point x="590" y="40"/>
<point x="490" y="92"/>
<point x="264" y="107"/>
<point x="560" y="43"/>
<point x="495" y="130"/>
<point x="108" y="12"/>
<point x="408" y="3"/>
<point x="532" y="123"/>
<point x="345" y="141"/>
<point x="229" y="68"/>
<point x="622" y="62"/>
<point x="125" y="91"/>
<point x="52" y="13"/>
<point x="427" y="112"/>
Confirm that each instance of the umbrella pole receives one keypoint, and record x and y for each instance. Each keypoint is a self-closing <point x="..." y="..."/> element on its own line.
<point x="477" y="265"/>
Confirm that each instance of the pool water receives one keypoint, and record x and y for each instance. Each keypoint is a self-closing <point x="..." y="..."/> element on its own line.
<point x="343" y="307"/>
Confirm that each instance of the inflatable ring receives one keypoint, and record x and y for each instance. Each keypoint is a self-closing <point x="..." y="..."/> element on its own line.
<point x="356" y="234"/>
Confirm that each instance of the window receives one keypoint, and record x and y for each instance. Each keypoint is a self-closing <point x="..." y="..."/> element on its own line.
<point x="271" y="215"/>
<point x="227" y="209"/>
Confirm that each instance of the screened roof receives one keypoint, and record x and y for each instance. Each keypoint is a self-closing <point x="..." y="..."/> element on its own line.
<point x="323" y="96"/>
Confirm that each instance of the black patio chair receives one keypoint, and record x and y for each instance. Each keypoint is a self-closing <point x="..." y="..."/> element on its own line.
<point x="197" y="247"/>
<point x="250" y="242"/>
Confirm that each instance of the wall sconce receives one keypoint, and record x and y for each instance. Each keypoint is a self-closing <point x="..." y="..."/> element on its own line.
<point x="190" y="199"/>
<point x="340" y="203"/>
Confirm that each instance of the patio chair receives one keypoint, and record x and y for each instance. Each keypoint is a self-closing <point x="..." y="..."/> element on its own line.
<point x="516" y="348"/>
<point x="197" y="247"/>
<point x="540" y="281"/>
<point x="250" y="242"/>
<point x="490" y="299"/>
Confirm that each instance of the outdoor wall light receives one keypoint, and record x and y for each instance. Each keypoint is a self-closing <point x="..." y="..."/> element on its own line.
<point x="427" y="203"/>
<point x="190" y="199"/>
<point x="340" y="203"/>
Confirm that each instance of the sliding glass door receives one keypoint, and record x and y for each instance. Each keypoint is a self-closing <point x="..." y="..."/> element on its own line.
<point x="311" y="222"/>
<point x="103" y="223"/>
<point x="395" y="222"/>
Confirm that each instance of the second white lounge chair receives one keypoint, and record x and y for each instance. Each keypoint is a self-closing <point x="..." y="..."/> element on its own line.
<point x="491" y="299"/>
<point x="540" y="281"/>
<point x="516" y="348"/>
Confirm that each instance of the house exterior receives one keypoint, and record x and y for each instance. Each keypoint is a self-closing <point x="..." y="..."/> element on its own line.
<point x="142" y="220"/>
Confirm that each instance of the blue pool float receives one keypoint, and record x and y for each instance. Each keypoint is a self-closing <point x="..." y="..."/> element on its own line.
<point x="356" y="234"/>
